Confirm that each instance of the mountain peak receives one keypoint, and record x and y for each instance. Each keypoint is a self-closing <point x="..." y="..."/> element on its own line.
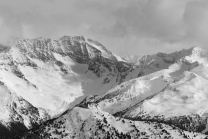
<point x="196" y="48"/>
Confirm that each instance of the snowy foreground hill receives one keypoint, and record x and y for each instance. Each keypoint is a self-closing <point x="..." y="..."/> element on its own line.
<point x="74" y="88"/>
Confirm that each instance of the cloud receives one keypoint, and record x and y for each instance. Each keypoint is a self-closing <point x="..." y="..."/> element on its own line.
<point x="123" y="26"/>
<point x="196" y="21"/>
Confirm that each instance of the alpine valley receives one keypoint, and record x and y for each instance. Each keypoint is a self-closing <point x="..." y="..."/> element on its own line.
<point x="74" y="88"/>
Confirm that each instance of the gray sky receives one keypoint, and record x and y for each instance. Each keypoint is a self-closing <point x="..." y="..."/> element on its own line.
<point x="123" y="26"/>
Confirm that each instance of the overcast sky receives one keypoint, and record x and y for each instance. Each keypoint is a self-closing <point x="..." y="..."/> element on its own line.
<point x="123" y="26"/>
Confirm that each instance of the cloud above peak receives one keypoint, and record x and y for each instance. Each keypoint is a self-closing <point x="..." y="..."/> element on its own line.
<point x="123" y="26"/>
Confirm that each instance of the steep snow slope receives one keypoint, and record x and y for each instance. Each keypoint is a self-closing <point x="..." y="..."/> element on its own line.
<point x="130" y="93"/>
<point x="186" y="95"/>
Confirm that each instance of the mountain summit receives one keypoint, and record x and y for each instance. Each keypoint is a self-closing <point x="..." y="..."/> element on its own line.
<point x="74" y="87"/>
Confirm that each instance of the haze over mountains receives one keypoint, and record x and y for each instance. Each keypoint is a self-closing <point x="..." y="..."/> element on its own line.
<point x="43" y="82"/>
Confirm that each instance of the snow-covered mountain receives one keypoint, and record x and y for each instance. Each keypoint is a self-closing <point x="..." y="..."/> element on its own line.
<point x="43" y="83"/>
